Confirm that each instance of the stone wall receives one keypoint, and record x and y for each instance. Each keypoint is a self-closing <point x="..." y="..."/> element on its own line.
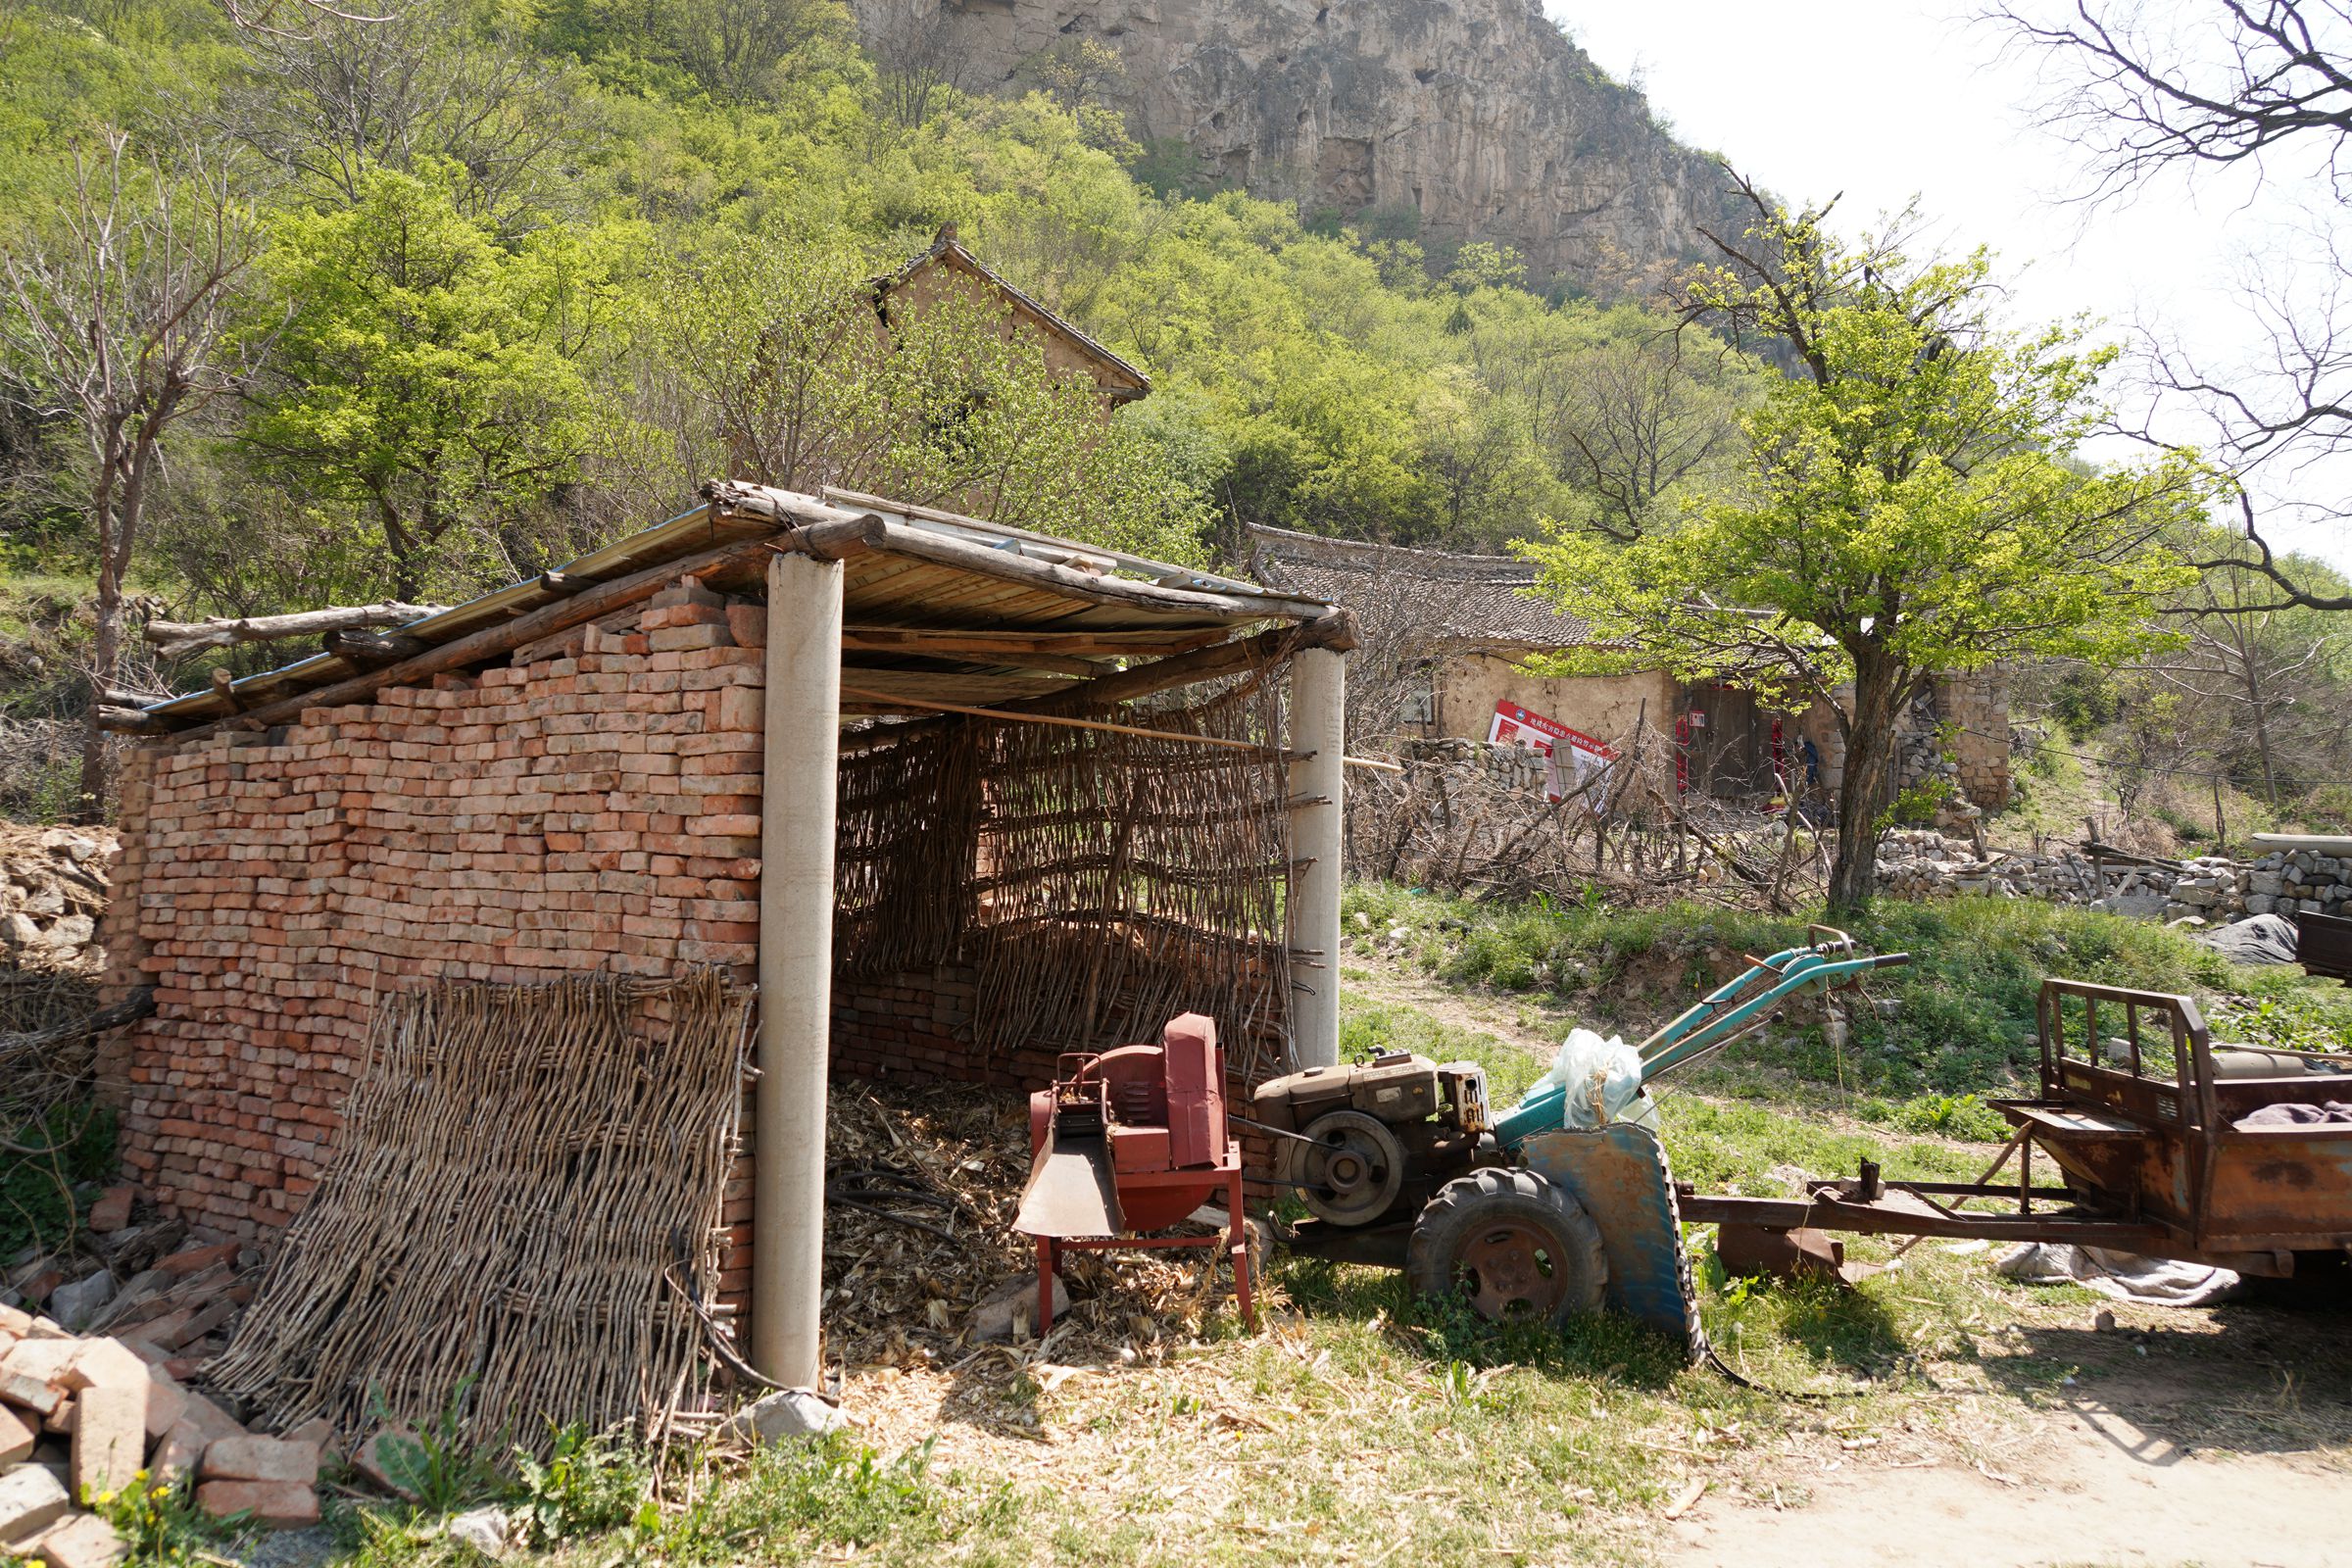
<point x="2289" y="882"/>
<point x="1960" y="733"/>
<point x="1918" y="863"/>
<point x="593" y="806"/>
<point x="2213" y="888"/>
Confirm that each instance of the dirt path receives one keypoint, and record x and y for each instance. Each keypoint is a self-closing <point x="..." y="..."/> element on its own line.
<point x="1538" y="1029"/>
<point x="2097" y="1488"/>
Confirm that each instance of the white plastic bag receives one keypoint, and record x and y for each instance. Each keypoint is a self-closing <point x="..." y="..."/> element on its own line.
<point x="1587" y="1064"/>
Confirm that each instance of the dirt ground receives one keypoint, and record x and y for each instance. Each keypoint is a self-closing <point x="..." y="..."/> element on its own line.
<point x="2224" y="1443"/>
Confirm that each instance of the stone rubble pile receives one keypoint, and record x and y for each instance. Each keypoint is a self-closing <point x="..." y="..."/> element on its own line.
<point x="1920" y="863"/>
<point x="53" y="888"/>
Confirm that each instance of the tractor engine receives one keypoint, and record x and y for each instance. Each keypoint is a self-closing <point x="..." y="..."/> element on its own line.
<point x="1369" y="1141"/>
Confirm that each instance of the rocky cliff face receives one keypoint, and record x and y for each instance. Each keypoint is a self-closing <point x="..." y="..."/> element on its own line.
<point x="1479" y="114"/>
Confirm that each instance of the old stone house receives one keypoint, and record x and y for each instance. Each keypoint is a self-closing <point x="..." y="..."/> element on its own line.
<point x="1445" y="638"/>
<point x="956" y="796"/>
<point x="947" y="269"/>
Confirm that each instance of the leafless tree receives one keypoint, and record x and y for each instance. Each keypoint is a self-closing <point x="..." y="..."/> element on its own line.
<point x="122" y="322"/>
<point x="732" y="46"/>
<point x="1636" y="421"/>
<point x="2260" y="86"/>
<point x="2143" y="91"/>
<point x="284" y="19"/>
<point x="915" y="58"/>
<point x="330" y="100"/>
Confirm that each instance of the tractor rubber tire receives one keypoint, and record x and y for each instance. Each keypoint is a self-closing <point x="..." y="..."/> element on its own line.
<point x="1516" y="1244"/>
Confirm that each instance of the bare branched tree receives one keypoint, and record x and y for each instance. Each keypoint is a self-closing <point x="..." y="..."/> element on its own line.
<point x="1636" y="423"/>
<point x="2259" y="86"/>
<point x="915" y="59"/>
<point x="329" y="100"/>
<point x="2143" y="91"/>
<point x="122" y="322"/>
<point x="290" y="18"/>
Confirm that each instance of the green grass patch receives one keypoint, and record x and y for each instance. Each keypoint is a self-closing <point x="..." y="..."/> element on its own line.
<point x="1958" y="1020"/>
<point x="792" y="1502"/>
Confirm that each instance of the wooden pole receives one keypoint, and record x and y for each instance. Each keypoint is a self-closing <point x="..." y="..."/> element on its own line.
<point x="802" y="746"/>
<point x="859" y="695"/>
<point x="1318" y="785"/>
<point x="825" y="541"/>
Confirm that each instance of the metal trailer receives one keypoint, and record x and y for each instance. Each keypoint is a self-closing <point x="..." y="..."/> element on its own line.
<point x="2144" y="1141"/>
<point x="2137" y="1141"/>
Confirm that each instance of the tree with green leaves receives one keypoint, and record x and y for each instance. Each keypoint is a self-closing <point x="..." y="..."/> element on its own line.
<point x="432" y="380"/>
<point x="1914" y="503"/>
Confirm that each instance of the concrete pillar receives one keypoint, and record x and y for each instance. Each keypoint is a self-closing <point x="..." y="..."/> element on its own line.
<point x="802" y="744"/>
<point x="1318" y="786"/>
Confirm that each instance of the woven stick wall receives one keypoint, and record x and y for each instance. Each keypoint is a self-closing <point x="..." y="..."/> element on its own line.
<point x="516" y="1168"/>
<point x="1098" y="883"/>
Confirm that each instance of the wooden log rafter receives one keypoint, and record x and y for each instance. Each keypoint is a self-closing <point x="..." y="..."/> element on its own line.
<point x="835" y="539"/>
<point x="176" y="639"/>
<point x="367" y="649"/>
<point x="1177" y="656"/>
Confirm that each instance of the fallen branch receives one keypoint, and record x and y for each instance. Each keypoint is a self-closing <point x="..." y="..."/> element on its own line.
<point x="176" y="639"/>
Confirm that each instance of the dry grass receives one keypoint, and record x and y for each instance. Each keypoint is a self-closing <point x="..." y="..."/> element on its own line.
<point x="1361" y="1427"/>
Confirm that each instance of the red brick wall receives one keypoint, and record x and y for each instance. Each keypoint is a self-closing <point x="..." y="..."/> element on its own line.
<point x="596" y="806"/>
<point x="917" y="1028"/>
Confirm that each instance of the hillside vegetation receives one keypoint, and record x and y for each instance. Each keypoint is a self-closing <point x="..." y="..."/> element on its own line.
<point x="558" y="219"/>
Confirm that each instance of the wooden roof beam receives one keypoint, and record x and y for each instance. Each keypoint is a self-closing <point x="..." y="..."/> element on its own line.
<point x="833" y="539"/>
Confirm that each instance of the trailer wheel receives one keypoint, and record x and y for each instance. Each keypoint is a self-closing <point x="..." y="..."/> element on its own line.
<point x="1516" y="1244"/>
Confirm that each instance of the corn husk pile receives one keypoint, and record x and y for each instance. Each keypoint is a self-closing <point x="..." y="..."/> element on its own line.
<point x="899" y="1291"/>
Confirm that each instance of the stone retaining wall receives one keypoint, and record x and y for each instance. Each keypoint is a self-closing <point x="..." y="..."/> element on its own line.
<point x="2214" y="889"/>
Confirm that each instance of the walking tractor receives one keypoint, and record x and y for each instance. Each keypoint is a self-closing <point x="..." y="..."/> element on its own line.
<point x="1559" y="1206"/>
<point x="2163" y="1145"/>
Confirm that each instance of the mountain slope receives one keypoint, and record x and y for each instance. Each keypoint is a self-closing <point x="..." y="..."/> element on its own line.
<point x="1478" y="116"/>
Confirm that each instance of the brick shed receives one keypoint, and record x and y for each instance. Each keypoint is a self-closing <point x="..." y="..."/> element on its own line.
<point x="955" y="796"/>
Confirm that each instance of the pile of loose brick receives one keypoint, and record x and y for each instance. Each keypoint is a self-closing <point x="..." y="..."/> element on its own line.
<point x="86" y="1416"/>
<point x="592" y="805"/>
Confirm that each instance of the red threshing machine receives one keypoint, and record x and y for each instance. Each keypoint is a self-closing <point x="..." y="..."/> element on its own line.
<point x="1129" y="1142"/>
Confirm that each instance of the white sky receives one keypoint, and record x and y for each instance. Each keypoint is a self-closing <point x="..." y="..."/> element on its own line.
<point x="1886" y="100"/>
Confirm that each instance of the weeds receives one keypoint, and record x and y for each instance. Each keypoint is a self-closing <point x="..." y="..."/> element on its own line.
<point x="588" y="1484"/>
<point x="436" y="1465"/>
<point x="160" y="1528"/>
<point x="1958" y="1020"/>
<point x="41" y="1162"/>
<point x="793" y="1497"/>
